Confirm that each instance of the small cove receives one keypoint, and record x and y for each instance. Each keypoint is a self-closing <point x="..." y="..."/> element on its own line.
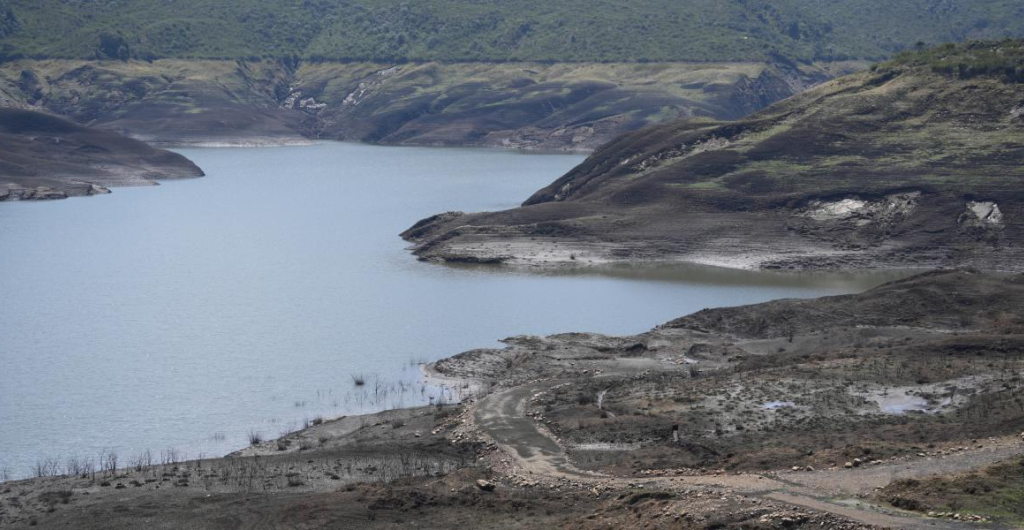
<point x="185" y="316"/>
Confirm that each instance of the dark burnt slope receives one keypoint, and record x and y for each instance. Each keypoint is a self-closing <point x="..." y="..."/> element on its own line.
<point x="45" y="157"/>
<point x="918" y="161"/>
<point x="943" y="300"/>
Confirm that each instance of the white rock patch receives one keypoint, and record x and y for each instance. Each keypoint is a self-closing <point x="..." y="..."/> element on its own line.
<point x="828" y="211"/>
<point x="985" y="212"/>
<point x="865" y="211"/>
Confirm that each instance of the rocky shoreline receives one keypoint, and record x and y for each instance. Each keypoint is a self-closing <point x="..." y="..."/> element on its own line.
<point x="734" y="240"/>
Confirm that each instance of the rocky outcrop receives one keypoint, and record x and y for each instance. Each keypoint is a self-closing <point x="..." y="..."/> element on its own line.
<point x="982" y="214"/>
<point x="40" y="193"/>
<point x="854" y="221"/>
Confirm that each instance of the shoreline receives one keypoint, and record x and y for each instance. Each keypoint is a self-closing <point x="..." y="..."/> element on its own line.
<point x="303" y="141"/>
<point x="82" y="188"/>
<point x="474" y="388"/>
<point x="575" y="255"/>
<point x="524" y="424"/>
<point x="462" y="390"/>
<point x="228" y="143"/>
<point x="456" y="238"/>
<point x="459" y="391"/>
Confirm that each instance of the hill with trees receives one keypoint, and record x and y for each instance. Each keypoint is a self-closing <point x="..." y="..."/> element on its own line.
<point x="510" y="30"/>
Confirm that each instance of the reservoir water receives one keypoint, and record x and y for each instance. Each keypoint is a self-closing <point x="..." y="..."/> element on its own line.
<point x="185" y="316"/>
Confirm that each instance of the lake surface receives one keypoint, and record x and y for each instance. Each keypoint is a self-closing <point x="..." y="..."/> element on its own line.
<point x="186" y="315"/>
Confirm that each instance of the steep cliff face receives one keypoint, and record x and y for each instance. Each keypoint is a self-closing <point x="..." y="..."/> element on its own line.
<point x="44" y="157"/>
<point x="518" y="105"/>
<point x="917" y="162"/>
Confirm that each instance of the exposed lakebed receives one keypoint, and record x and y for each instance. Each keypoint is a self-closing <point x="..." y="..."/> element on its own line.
<point x="188" y="315"/>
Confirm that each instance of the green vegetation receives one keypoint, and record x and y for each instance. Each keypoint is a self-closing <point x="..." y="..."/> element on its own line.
<point x="1001" y="60"/>
<point x="511" y="30"/>
<point x="997" y="491"/>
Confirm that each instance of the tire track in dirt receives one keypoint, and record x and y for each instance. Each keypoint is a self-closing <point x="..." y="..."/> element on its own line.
<point x="502" y="418"/>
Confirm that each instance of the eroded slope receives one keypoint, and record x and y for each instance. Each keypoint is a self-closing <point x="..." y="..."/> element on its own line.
<point x="836" y="397"/>
<point x="913" y="163"/>
<point x="44" y="157"/>
<point x="576" y="106"/>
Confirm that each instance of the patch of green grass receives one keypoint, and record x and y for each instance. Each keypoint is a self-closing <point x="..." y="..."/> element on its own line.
<point x="996" y="492"/>
<point x="835" y="161"/>
<point x="704" y="185"/>
<point x="778" y="167"/>
<point x="1002" y="60"/>
<point x="753" y="138"/>
<point x="663" y="115"/>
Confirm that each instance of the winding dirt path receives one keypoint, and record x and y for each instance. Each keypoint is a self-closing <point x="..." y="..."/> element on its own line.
<point x="502" y="418"/>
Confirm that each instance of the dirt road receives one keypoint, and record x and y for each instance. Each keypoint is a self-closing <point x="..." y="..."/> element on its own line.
<point x="536" y="454"/>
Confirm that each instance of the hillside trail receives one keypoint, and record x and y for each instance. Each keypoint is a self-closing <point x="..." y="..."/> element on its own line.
<point x="534" y="454"/>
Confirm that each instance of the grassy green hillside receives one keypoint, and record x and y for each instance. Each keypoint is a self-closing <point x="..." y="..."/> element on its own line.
<point x="510" y="30"/>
